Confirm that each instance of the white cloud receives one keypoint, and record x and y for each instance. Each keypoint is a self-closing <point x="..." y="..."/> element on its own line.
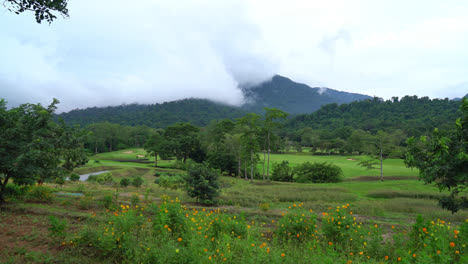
<point x="113" y="52"/>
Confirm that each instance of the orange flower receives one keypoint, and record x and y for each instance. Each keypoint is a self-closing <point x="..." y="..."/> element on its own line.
<point x="179" y="239"/>
<point x="205" y="250"/>
<point x="438" y="251"/>
<point x="414" y="255"/>
<point x="386" y="257"/>
<point x="452" y="244"/>
<point x="455" y="231"/>
<point x="424" y="230"/>
<point x="282" y="255"/>
<point x="399" y="259"/>
<point x="330" y="243"/>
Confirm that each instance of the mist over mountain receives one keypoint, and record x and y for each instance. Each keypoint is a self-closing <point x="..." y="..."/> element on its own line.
<point x="279" y="92"/>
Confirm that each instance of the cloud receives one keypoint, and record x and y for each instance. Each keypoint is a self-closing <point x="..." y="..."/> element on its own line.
<point x="113" y="52"/>
<point x="119" y="52"/>
<point x="329" y="43"/>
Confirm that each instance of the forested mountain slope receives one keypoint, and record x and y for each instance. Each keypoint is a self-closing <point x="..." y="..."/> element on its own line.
<point x="196" y="111"/>
<point x="413" y="115"/>
<point x="292" y="97"/>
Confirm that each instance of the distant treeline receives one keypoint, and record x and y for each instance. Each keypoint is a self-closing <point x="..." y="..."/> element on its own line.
<point x="344" y="129"/>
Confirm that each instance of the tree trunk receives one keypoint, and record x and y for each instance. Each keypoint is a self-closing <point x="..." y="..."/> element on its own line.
<point x="245" y="173"/>
<point x="381" y="165"/>
<point x="251" y="166"/>
<point x="156" y="159"/>
<point x="95" y="147"/>
<point x="268" y="150"/>
<point x="2" y="189"/>
<point x="264" y="153"/>
<point x="239" y="167"/>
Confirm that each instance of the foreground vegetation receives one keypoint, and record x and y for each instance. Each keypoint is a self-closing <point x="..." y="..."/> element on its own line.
<point x="257" y="222"/>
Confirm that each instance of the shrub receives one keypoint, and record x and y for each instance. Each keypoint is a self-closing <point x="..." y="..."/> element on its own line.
<point x="282" y="172"/>
<point x="297" y="225"/>
<point x="74" y="177"/>
<point x="101" y="178"/>
<point x="15" y="191"/>
<point x="172" y="182"/>
<point x="59" y="181"/>
<point x="137" y="181"/>
<point x="318" y="172"/>
<point x="107" y="201"/>
<point x="40" y="193"/>
<point x="124" y="182"/>
<point x="202" y="183"/>
<point x="86" y="201"/>
<point x="57" y="227"/>
<point x="135" y="200"/>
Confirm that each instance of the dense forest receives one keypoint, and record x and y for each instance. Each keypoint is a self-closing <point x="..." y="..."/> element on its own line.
<point x="196" y="111"/>
<point x="413" y="115"/>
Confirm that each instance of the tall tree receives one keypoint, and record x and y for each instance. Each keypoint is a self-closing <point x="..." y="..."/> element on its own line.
<point x="443" y="159"/>
<point x="379" y="148"/>
<point x="185" y="139"/>
<point x="250" y="127"/>
<point x="269" y="125"/>
<point x="33" y="147"/>
<point x="154" y="146"/>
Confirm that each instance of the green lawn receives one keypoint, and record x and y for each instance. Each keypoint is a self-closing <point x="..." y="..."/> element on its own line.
<point x="391" y="167"/>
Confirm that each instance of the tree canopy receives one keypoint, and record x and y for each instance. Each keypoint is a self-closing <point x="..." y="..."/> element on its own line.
<point x="33" y="148"/>
<point x="443" y="158"/>
<point x="43" y="9"/>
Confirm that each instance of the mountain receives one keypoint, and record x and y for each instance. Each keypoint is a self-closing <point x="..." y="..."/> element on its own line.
<point x="292" y="97"/>
<point x="280" y="92"/>
<point x="196" y="111"/>
<point x="459" y="99"/>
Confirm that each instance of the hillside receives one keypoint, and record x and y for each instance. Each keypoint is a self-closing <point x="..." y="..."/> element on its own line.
<point x="196" y="111"/>
<point x="413" y="115"/>
<point x="280" y="92"/>
<point x="292" y="97"/>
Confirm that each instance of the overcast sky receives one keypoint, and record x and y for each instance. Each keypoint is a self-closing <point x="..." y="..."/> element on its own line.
<point x="148" y="51"/>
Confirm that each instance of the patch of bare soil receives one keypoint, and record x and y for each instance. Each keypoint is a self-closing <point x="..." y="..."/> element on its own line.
<point x="128" y="152"/>
<point x="351" y="159"/>
<point x="140" y="156"/>
<point x="20" y="232"/>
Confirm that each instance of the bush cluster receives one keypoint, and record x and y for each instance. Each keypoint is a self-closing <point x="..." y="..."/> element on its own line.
<point x="307" y="172"/>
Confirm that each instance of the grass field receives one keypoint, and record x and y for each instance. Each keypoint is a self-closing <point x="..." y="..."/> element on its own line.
<point x="82" y="206"/>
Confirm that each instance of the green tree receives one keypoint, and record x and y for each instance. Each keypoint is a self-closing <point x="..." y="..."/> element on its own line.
<point x="33" y="148"/>
<point x="379" y="148"/>
<point x="269" y="125"/>
<point x="184" y="139"/>
<point x="249" y="125"/>
<point x="202" y="182"/>
<point x="444" y="160"/>
<point x="43" y="9"/>
<point x="154" y="145"/>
